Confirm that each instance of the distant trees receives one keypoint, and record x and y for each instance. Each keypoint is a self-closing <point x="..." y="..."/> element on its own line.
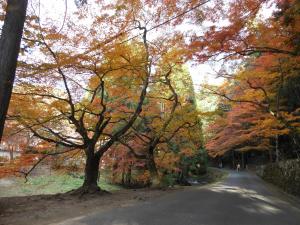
<point x="262" y="94"/>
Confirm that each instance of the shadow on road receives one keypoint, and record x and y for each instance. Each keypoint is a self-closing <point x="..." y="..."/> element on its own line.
<point x="241" y="199"/>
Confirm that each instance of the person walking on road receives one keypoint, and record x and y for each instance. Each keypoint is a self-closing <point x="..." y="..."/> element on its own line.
<point x="238" y="167"/>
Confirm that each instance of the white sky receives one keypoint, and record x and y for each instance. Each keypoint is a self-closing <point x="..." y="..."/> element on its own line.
<point x="201" y="73"/>
<point x="205" y="73"/>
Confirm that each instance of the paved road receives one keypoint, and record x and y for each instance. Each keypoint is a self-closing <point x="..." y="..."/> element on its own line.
<point x="241" y="199"/>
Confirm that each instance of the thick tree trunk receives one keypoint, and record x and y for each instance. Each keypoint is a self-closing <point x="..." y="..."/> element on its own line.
<point x="10" y="41"/>
<point x="91" y="174"/>
<point x="155" y="181"/>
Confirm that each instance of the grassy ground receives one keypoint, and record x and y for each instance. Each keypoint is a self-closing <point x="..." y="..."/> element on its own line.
<point x="56" y="183"/>
<point x="60" y="183"/>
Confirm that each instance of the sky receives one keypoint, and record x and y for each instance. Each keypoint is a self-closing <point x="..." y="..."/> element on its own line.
<point x="201" y="73"/>
<point x="55" y="10"/>
<point x="205" y="73"/>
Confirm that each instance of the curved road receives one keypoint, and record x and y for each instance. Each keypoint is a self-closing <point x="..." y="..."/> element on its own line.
<point x="241" y="199"/>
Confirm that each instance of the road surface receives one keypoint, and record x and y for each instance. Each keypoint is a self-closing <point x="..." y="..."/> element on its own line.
<point x="241" y="199"/>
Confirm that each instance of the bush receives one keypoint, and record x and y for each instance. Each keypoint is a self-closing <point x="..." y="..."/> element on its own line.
<point x="198" y="164"/>
<point x="168" y="180"/>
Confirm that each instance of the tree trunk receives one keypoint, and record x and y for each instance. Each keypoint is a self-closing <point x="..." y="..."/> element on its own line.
<point x="128" y="175"/>
<point x="10" y="41"/>
<point x="123" y="176"/>
<point x="114" y="168"/>
<point x="233" y="159"/>
<point x="278" y="114"/>
<point x="11" y="153"/>
<point x="91" y="173"/>
<point x="155" y="181"/>
<point x="243" y="160"/>
<point x="277" y="148"/>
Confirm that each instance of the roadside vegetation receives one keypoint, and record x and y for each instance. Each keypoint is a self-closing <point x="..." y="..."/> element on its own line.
<point x="46" y="185"/>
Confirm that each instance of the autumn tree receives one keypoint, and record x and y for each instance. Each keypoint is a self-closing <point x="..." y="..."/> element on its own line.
<point x="267" y="48"/>
<point x="259" y="110"/>
<point x="86" y="124"/>
<point x="84" y="92"/>
<point x="169" y="119"/>
<point x="242" y="29"/>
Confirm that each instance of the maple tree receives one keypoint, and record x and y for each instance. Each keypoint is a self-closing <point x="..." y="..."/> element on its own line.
<point x="87" y="124"/>
<point x="170" y="119"/>
<point x="261" y="108"/>
<point x="84" y="92"/>
<point x="260" y="111"/>
<point x="241" y="30"/>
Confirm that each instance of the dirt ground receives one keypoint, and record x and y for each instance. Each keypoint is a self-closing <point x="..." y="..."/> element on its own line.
<point x="47" y="209"/>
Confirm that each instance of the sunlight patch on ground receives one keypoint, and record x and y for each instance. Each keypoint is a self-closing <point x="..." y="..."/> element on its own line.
<point x="80" y="221"/>
<point x="245" y="193"/>
<point x="75" y="221"/>
<point x="260" y="204"/>
<point x="124" y="223"/>
<point x="261" y="208"/>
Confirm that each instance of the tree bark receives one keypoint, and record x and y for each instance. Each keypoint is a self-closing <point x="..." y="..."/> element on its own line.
<point x="233" y="159"/>
<point x="91" y="174"/>
<point x="128" y="176"/>
<point x="243" y="160"/>
<point x="277" y="151"/>
<point x="277" y="148"/>
<point x="155" y="181"/>
<point x="270" y="156"/>
<point x="90" y="184"/>
<point x="10" y="41"/>
<point x="11" y="153"/>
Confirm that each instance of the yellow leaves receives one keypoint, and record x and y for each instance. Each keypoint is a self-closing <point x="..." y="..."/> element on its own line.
<point x="268" y="123"/>
<point x="167" y="160"/>
<point x="59" y="105"/>
<point x="94" y="82"/>
<point x="143" y="177"/>
<point x="188" y="152"/>
<point x="54" y="36"/>
<point x="120" y="7"/>
<point x="293" y="117"/>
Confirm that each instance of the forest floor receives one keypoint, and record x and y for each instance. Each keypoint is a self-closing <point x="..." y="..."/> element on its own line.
<point x="44" y="208"/>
